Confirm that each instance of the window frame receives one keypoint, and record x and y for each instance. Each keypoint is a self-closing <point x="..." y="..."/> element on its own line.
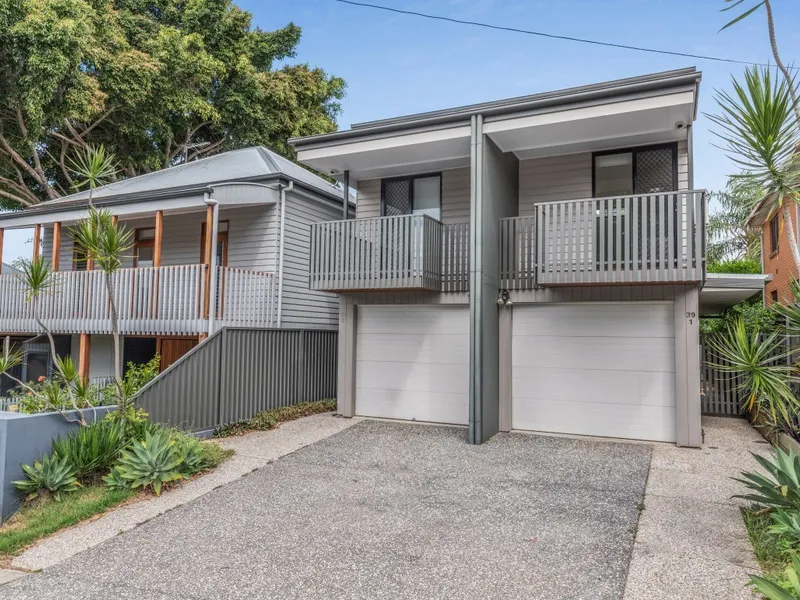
<point x="139" y="243"/>
<point x="410" y="179"/>
<point x="634" y="151"/>
<point x="774" y="235"/>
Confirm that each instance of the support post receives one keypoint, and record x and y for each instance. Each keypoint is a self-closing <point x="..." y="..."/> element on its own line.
<point x="56" y="246"/>
<point x="37" y="241"/>
<point x="346" y="387"/>
<point x="687" y="366"/>
<point x="159" y="238"/>
<point x="346" y="197"/>
<point x="207" y="259"/>
<point x="83" y="357"/>
<point x="2" y="234"/>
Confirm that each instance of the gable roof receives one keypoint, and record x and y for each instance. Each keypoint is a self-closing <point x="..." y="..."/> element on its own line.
<point x="6" y="269"/>
<point x="248" y="164"/>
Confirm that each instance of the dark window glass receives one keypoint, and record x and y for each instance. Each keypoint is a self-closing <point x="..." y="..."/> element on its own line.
<point x="774" y="234"/>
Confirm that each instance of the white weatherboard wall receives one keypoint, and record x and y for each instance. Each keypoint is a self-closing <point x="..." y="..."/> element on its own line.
<point x="600" y="369"/>
<point x="412" y="362"/>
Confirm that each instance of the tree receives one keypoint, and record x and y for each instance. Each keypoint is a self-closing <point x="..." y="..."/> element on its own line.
<point x="729" y="237"/>
<point x="760" y="125"/>
<point x="760" y="132"/>
<point x="156" y="83"/>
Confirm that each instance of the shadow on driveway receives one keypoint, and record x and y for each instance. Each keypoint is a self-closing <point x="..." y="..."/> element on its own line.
<point x="386" y="510"/>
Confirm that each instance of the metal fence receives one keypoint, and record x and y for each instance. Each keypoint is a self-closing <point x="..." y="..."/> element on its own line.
<point x="236" y="373"/>
<point x="721" y="392"/>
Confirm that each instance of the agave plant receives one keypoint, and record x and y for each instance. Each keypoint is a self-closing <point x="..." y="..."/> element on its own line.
<point x="53" y="475"/>
<point x="761" y="365"/>
<point x="115" y="481"/>
<point x="773" y="591"/>
<point x="152" y="462"/>
<point x="780" y="488"/>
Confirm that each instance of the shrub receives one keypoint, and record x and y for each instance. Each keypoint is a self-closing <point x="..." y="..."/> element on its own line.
<point x="151" y="462"/>
<point x="786" y="526"/>
<point x="135" y="378"/>
<point x="91" y="450"/>
<point x="134" y="421"/>
<point x="781" y="488"/>
<point x="772" y="590"/>
<point x="269" y="419"/>
<point x="737" y="266"/>
<point x="53" y="476"/>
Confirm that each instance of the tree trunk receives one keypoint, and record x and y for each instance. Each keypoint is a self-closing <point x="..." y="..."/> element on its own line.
<point x="787" y="76"/>
<point x="790" y="233"/>
<point x="112" y="303"/>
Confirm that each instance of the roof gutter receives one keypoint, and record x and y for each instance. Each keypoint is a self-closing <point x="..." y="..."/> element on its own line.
<point x="462" y="115"/>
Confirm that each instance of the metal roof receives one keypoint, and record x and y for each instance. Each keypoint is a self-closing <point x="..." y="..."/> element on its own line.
<point x="585" y="93"/>
<point x="248" y="164"/>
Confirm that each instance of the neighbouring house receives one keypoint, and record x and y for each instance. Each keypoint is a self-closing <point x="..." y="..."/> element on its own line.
<point x="776" y="254"/>
<point x="6" y="269"/>
<point x="535" y="263"/>
<point x="179" y="283"/>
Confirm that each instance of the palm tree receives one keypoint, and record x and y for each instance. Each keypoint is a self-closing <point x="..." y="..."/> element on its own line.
<point x="93" y="167"/>
<point x="760" y="133"/>
<point x="105" y="243"/>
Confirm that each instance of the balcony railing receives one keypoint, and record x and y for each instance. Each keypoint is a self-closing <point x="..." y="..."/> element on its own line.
<point x="627" y="239"/>
<point x="150" y="301"/>
<point x="389" y="253"/>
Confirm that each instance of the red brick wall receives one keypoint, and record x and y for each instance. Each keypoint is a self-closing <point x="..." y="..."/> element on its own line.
<point x="780" y="264"/>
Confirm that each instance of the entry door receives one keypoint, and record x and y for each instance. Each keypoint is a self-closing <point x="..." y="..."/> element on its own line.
<point x="412" y="362"/>
<point x="600" y="369"/>
<point x="172" y="348"/>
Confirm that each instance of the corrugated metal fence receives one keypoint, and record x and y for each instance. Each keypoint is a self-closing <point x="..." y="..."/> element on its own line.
<point x="236" y="373"/>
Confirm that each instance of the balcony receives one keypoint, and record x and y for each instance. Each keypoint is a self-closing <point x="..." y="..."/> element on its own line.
<point x="408" y="252"/>
<point x="645" y="238"/>
<point x="150" y="301"/>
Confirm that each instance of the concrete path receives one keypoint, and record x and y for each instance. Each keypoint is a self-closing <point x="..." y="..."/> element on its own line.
<point x="253" y="451"/>
<point x="692" y="543"/>
<point x="391" y="510"/>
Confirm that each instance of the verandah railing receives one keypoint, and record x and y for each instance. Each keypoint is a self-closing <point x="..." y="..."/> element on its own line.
<point x="627" y="239"/>
<point x="155" y="300"/>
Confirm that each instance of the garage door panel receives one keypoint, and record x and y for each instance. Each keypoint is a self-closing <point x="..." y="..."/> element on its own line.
<point x="625" y="387"/>
<point x="640" y="320"/>
<point x="412" y="347"/>
<point x="656" y="423"/>
<point x="615" y="353"/>
<point x="431" y="407"/>
<point x="412" y="362"/>
<point x="603" y="369"/>
<point x="414" y="377"/>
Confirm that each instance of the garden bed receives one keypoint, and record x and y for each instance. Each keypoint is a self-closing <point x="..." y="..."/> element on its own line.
<point x="269" y="419"/>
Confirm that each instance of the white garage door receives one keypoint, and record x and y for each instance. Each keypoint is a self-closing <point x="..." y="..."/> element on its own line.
<point x="413" y="363"/>
<point x="595" y="369"/>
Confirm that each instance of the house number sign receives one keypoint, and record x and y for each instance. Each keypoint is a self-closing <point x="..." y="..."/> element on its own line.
<point x="691" y="316"/>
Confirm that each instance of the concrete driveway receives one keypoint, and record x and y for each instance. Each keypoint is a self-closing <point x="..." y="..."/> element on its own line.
<point x="386" y="510"/>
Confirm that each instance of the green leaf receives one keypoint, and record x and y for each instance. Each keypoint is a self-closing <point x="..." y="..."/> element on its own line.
<point x="742" y="16"/>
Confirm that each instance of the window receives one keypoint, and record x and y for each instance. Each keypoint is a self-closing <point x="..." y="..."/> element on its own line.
<point x="774" y="234"/>
<point x="774" y="295"/>
<point x="144" y="247"/>
<point x="418" y="195"/>
<point x="222" y="243"/>
<point x="79" y="260"/>
<point x="646" y="170"/>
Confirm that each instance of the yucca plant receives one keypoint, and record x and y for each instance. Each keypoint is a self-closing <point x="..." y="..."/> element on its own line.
<point x="53" y="476"/>
<point x="91" y="450"/>
<point x="773" y="591"/>
<point x="760" y="362"/>
<point x="151" y="462"/>
<point x="93" y="167"/>
<point x="780" y="488"/>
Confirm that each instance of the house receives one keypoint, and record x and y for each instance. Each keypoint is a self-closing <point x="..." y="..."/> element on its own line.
<point x="535" y="263"/>
<point x="179" y="283"/>
<point x="776" y="254"/>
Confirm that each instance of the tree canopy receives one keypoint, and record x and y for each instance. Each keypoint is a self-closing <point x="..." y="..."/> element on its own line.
<point x="729" y="237"/>
<point x="156" y="82"/>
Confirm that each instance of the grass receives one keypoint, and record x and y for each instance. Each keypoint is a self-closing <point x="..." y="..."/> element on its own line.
<point x="45" y="516"/>
<point x="771" y="557"/>
<point x="269" y="419"/>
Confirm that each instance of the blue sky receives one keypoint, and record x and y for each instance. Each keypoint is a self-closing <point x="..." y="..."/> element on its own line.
<point x="396" y="64"/>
